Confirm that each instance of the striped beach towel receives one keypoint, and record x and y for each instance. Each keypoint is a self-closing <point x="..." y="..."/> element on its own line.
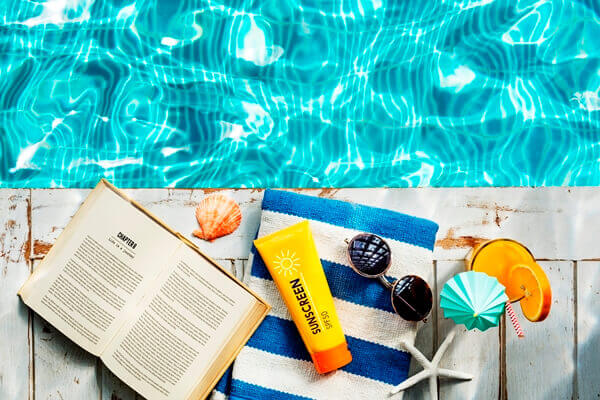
<point x="275" y="363"/>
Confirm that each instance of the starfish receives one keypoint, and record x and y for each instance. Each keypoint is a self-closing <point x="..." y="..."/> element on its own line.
<point x="431" y="369"/>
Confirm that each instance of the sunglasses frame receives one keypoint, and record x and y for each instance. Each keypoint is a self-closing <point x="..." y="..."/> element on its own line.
<point x="381" y="276"/>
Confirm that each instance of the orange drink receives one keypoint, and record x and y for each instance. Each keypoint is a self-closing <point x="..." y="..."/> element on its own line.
<point x="515" y="268"/>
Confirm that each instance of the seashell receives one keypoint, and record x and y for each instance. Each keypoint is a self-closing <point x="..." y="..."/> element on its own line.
<point x="218" y="215"/>
<point x="474" y="299"/>
<point x="412" y="298"/>
<point x="369" y="254"/>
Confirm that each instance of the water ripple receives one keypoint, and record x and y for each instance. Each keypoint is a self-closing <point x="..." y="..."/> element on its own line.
<point x="299" y="93"/>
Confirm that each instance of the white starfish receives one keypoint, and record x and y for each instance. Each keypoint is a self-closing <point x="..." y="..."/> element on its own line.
<point x="431" y="369"/>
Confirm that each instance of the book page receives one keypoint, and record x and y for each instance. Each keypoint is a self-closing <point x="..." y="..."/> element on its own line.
<point x="92" y="279"/>
<point x="181" y="327"/>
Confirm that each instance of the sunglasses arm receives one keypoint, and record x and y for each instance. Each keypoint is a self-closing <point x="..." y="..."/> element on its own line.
<point x="383" y="280"/>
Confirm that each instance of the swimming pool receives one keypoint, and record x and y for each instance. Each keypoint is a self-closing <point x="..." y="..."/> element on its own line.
<point x="290" y="93"/>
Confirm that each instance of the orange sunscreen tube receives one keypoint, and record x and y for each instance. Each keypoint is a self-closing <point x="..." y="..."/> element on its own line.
<point x="291" y="257"/>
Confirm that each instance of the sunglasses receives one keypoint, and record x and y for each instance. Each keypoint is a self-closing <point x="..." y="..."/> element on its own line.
<point x="370" y="256"/>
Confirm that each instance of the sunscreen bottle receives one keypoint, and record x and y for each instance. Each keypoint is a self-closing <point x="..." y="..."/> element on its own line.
<point x="291" y="257"/>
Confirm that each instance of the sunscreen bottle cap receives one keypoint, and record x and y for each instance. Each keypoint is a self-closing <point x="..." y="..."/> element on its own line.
<point x="332" y="359"/>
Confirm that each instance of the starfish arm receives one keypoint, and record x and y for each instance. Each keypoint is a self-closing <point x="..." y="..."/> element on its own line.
<point x="444" y="346"/>
<point x="421" y="359"/>
<point x="448" y="373"/>
<point x="431" y="368"/>
<point x="413" y="380"/>
<point x="433" y="387"/>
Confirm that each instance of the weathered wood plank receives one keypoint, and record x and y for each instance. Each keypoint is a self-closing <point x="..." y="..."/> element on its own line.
<point x="236" y="267"/>
<point x="426" y="343"/>
<point x="113" y="388"/>
<point x="175" y="207"/>
<point x="63" y="370"/>
<point x="472" y="351"/>
<point x="51" y="211"/>
<point x="588" y="329"/>
<point x="466" y="215"/>
<point x="541" y="365"/>
<point x="14" y="316"/>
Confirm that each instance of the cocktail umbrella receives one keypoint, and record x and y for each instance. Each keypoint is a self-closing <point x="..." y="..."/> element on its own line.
<point x="474" y="299"/>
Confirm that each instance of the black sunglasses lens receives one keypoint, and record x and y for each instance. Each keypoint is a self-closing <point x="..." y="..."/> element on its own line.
<point x="412" y="298"/>
<point x="369" y="254"/>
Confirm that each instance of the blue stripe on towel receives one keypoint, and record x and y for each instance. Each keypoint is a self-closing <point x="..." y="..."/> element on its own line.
<point x="224" y="384"/>
<point x="390" y="224"/>
<point x="248" y="391"/>
<point x="280" y="336"/>
<point x="344" y="283"/>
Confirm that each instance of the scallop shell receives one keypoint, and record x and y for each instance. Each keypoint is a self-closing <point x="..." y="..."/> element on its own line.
<point x="218" y="215"/>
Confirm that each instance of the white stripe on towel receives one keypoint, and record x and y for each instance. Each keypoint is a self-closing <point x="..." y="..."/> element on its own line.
<point x="300" y="377"/>
<point x="216" y="395"/>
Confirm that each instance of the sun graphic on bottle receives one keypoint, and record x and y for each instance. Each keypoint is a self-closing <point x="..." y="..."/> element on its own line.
<point x="286" y="263"/>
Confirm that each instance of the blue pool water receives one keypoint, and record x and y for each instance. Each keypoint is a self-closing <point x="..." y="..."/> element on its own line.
<point x="296" y="93"/>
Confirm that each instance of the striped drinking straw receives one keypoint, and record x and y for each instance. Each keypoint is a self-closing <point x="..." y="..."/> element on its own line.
<point x="514" y="320"/>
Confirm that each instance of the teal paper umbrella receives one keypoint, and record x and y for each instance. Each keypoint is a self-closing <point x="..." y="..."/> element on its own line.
<point x="474" y="299"/>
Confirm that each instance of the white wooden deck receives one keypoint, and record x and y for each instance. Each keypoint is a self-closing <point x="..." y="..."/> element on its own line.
<point x="558" y="359"/>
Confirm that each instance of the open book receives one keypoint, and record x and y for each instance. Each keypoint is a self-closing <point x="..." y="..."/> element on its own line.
<point x="162" y="316"/>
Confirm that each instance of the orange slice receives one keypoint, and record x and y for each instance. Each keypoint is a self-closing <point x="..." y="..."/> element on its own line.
<point x="530" y="283"/>
<point x="496" y="257"/>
